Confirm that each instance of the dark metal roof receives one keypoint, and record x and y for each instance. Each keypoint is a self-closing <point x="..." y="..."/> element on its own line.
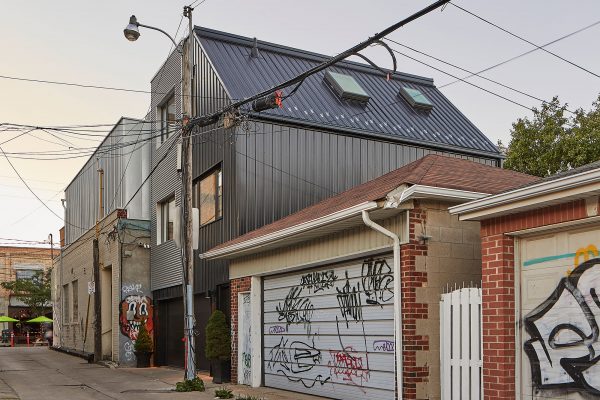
<point x="386" y="113"/>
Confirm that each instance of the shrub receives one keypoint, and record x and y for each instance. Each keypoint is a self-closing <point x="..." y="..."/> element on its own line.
<point x="218" y="337"/>
<point x="224" y="393"/>
<point x="143" y="343"/>
<point x="195" y="385"/>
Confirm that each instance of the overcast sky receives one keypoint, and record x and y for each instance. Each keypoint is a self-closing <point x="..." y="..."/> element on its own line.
<point x="80" y="41"/>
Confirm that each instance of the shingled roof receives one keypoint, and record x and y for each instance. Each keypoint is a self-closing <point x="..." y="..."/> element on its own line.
<point x="386" y="115"/>
<point x="431" y="170"/>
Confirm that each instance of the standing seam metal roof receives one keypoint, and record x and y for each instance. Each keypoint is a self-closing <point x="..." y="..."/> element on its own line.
<point x="386" y="113"/>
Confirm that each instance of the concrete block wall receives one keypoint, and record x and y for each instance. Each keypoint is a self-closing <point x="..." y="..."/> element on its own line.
<point x="450" y="256"/>
<point x="498" y="283"/>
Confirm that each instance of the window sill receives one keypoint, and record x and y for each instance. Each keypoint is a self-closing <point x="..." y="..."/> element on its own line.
<point x="211" y="222"/>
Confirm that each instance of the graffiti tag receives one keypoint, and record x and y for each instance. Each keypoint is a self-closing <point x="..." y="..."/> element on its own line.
<point x="384" y="345"/>
<point x="378" y="281"/>
<point x="318" y="280"/>
<point x="295" y="359"/>
<point x="132" y="288"/>
<point x="348" y="298"/>
<point x="277" y="329"/>
<point x="348" y="366"/>
<point x="296" y="309"/>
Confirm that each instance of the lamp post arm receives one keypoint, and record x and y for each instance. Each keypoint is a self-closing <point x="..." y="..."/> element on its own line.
<point x="180" y="51"/>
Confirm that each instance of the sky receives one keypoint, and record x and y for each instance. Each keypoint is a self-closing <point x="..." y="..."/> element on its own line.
<point x="83" y="42"/>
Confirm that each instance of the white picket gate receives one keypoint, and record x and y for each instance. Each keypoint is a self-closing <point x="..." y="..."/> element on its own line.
<point x="460" y="345"/>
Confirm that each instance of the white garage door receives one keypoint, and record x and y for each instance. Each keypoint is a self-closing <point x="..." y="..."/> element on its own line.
<point x="560" y="311"/>
<point x="330" y="331"/>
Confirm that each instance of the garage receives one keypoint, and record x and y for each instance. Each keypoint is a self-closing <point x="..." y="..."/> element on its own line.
<point x="330" y="331"/>
<point x="560" y="310"/>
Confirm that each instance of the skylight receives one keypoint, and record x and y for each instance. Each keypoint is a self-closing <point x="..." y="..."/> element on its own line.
<point x="346" y="87"/>
<point x="415" y="98"/>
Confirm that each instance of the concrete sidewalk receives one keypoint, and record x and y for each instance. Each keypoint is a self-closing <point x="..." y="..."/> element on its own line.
<point x="35" y="372"/>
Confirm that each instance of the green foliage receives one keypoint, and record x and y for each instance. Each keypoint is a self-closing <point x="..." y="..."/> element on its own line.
<point x="34" y="292"/>
<point x="553" y="142"/>
<point x="195" y="385"/>
<point x="143" y="343"/>
<point x="218" y="337"/>
<point x="224" y="393"/>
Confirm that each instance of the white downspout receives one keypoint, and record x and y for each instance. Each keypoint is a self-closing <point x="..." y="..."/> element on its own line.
<point x="397" y="299"/>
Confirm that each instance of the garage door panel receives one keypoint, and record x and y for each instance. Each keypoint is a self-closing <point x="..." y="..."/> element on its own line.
<point x="559" y="314"/>
<point x="330" y="331"/>
<point x="331" y="328"/>
<point x="346" y="389"/>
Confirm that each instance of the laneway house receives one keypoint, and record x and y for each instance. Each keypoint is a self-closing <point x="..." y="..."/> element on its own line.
<point x="342" y="127"/>
<point x="313" y="295"/>
<point x="101" y="280"/>
<point x="541" y="282"/>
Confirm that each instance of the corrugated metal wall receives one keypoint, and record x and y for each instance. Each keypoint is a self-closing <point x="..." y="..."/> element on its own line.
<point x="165" y="259"/>
<point x="283" y="169"/>
<point x="126" y="146"/>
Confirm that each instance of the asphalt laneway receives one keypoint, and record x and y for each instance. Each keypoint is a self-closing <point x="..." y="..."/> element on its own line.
<point x="33" y="373"/>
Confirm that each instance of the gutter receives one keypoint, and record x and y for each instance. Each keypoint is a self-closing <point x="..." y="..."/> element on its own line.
<point x="398" y="337"/>
<point x="535" y="190"/>
<point x="290" y="231"/>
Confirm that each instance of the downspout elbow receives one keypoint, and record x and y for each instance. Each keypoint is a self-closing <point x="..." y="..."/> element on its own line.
<point x="398" y="339"/>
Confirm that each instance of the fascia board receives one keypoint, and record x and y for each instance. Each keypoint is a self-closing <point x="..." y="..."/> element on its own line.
<point x="290" y="231"/>
<point x="424" y="191"/>
<point x="486" y="205"/>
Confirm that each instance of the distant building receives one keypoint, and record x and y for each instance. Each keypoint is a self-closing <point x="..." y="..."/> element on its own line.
<point x="99" y="305"/>
<point x="20" y="263"/>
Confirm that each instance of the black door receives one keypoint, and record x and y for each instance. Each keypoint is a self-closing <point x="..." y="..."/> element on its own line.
<point x="170" y="348"/>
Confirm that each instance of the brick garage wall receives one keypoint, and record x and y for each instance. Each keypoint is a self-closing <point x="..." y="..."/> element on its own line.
<point x="237" y="286"/>
<point x="498" y="282"/>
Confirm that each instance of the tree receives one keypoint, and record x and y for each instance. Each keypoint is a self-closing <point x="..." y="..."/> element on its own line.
<point x="552" y="142"/>
<point x="34" y="292"/>
<point x="218" y="339"/>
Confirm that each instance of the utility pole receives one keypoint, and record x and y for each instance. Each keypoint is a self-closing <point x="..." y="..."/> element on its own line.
<point x="186" y="172"/>
<point x="96" y="272"/>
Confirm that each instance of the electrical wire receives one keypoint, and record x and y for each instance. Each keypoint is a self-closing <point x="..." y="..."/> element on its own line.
<point x="473" y="73"/>
<point x="525" y="40"/>
<point x="521" y="55"/>
<point x="27" y="185"/>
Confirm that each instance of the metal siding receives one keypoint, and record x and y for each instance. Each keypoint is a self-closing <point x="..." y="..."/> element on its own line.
<point x="386" y="113"/>
<point x="165" y="259"/>
<point x="324" y="336"/>
<point x="122" y="148"/>
<point x="343" y="162"/>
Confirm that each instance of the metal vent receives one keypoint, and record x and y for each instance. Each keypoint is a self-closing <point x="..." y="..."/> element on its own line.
<point x="415" y="98"/>
<point x="346" y="87"/>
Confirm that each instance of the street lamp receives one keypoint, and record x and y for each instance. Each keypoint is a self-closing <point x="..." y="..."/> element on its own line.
<point x="132" y="33"/>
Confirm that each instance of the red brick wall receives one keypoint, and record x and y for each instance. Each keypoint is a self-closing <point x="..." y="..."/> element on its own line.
<point x="237" y="286"/>
<point x="411" y="310"/>
<point x="498" y="282"/>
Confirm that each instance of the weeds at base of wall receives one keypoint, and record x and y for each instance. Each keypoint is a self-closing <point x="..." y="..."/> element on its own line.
<point x="194" y="385"/>
<point x="224" y="393"/>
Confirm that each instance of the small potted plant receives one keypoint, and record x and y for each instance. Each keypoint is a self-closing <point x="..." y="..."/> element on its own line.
<point x="143" y="347"/>
<point x="218" y="347"/>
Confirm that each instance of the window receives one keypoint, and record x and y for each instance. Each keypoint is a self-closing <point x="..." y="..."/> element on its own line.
<point x="168" y="118"/>
<point x="346" y="87"/>
<point x="415" y="98"/>
<point x="27" y="274"/>
<point x="75" y="296"/>
<point x="207" y="196"/>
<point x="166" y="216"/>
<point x="66" y="301"/>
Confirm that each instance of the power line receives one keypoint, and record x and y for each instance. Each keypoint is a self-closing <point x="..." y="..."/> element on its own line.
<point x="473" y="73"/>
<point x="521" y="55"/>
<point x="525" y="40"/>
<point x="32" y="192"/>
